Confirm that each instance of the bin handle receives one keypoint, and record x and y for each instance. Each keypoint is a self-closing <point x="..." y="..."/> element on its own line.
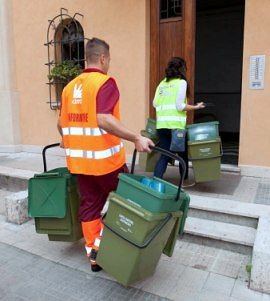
<point x="44" y="154"/>
<point x="182" y="164"/>
<point x="219" y="156"/>
<point x="149" y="238"/>
<point x="46" y="175"/>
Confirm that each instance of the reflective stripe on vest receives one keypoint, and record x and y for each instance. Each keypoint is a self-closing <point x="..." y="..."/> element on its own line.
<point x="171" y="118"/>
<point x="79" y="131"/>
<point x="77" y="153"/>
<point x="165" y="98"/>
<point x="165" y="108"/>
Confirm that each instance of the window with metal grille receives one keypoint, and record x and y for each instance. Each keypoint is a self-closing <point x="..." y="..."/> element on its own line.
<point x="69" y="42"/>
<point x="170" y="9"/>
<point x="65" y="44"/>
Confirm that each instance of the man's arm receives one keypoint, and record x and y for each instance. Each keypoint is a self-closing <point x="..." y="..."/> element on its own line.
<point x="60" y="132"/>
<point x="198" y="106"/>
<point x="113" y="126"/>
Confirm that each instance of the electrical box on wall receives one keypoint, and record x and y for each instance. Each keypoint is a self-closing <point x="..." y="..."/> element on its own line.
<point x="256" y="72"/>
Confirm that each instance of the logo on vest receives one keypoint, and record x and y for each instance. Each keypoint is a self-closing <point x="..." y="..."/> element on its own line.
<point x="77" y="95"/>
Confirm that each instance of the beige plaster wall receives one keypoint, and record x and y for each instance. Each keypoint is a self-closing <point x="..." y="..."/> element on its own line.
<point x="122" y="23"/>
<point x="255" y="111"/>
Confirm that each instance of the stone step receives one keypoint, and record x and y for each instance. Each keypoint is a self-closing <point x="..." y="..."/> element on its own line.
<point x="226" y="211"/>
<point x="3" y="195"/>
<point x="223" y="235"/>
<point x="14" y="179"/>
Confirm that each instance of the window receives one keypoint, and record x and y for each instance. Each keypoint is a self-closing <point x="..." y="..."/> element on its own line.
<point x="69" y="42"/>
<point x="65" y="45"/>
<point x="170" y="9"/>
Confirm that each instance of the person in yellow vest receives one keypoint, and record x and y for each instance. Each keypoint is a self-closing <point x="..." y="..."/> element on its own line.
<point x="171" y="106"/>
<point x="91" y="132"/>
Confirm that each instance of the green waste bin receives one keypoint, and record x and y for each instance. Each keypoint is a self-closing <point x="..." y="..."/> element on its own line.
<point x="134" y="239"/>
<point x="203" y="131"/>
<point x="54" y="203"/>
<point x="147" y="162"/>
<point x="130" y="187"/>
<point x="206" y="159"/>
<point x="151" y="129"/>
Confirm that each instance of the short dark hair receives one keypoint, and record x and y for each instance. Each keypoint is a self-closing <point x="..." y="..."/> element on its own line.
<point x="94" y="48"/>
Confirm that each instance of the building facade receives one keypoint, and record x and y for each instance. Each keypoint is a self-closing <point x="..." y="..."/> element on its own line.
<point x="143" y="35"/>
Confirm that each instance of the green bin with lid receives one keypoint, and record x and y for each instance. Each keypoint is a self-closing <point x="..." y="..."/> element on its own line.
<point x="134" y="239"/>
<point x="130" y="186"/>
<point x="206" y="159"/>
<point x="203" y="131"/>
<point x="54" y="203"/>
<point x="147" y="162"/>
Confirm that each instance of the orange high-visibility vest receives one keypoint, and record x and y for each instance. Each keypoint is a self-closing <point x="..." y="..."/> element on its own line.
<point x="89" y="149"/>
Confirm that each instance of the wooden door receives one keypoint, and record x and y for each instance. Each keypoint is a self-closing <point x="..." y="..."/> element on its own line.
<point x="172" y="33"/>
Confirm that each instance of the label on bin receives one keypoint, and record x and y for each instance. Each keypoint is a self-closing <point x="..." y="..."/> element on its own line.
<point x="201" y="137"/>
<point x="125" y="220"/>
<point x="205" y="150"/>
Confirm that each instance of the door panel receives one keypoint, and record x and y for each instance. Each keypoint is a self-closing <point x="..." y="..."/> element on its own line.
<point x="170" y="43"/>
<point x="171" y="37"/>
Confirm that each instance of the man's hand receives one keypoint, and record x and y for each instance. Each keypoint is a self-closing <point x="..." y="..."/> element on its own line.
<point x="62" y="144"/>
<point x="142" y="144"/>
<point x="200" y="105"/>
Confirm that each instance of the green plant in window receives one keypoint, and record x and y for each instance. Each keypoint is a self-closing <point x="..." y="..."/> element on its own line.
<point x="64" y="72"/>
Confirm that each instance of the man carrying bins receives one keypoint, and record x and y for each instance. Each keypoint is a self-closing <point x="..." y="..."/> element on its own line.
<point x="91" y="131"/>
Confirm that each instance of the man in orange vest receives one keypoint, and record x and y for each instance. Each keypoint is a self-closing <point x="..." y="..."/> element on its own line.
<point x="91" y="132"/>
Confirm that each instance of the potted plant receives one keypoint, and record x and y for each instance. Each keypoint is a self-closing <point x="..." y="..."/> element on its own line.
<point x="64" y="72"/>
<point x="60" y="75"/>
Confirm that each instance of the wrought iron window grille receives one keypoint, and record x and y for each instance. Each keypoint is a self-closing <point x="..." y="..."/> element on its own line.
<point x="65" y="44"/>
<point x="170" y="9"/>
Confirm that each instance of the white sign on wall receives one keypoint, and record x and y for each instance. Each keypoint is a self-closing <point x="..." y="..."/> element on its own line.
<point x="256" y="72"/>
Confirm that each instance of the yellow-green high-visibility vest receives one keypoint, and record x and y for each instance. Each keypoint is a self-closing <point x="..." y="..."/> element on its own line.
<point x="168" y="117"/>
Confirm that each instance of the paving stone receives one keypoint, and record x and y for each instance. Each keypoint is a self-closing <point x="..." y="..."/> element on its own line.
<point x="226" y="267"/>
<point x="242" y="293"/>
<point x="209" y="295"/>
<point x="165" y="278"/>
<point x="54" y="282"/>
<point x="191" y="280"/>
<point x="220" y="284"/>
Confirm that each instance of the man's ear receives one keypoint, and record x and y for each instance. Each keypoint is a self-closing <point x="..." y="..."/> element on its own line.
<point x="102" y="59"/>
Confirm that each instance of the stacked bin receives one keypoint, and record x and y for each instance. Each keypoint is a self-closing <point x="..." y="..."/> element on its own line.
<point x="54" y="203"/>
<point x="134" y="239"/>
<point x="140" y="225"/>
<point x="147" y="162"/>
<point x="205" y="150"/>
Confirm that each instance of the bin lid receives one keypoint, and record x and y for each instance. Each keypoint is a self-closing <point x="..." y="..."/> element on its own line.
<point x="47" y="194"/>
<point x="202" y="124"/>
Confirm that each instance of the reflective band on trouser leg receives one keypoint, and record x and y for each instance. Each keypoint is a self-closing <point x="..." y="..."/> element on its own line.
<point x="91" y="233"/>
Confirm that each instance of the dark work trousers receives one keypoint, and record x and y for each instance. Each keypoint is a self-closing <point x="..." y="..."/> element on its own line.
<point x="165" y="136"/>
<point x="94" y="191"/>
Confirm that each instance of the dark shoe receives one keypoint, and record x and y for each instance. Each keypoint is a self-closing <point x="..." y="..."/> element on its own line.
<point x="94" y="266"/>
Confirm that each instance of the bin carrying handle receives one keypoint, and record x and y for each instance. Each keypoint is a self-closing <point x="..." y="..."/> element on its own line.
<point x="149" y="238"/>
<point x="182" y="164"/>
<point x="44" y="154"/>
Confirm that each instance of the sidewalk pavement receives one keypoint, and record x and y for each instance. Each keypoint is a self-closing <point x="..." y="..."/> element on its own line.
<point x="34" y="268"/>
